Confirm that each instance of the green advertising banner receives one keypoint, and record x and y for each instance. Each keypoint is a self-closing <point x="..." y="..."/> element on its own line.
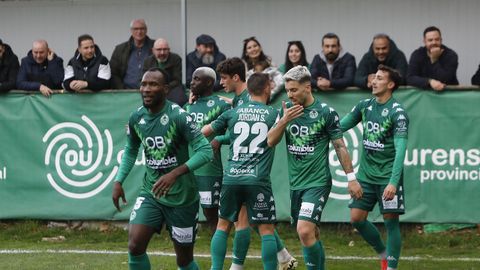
<point x="59" y="156"/>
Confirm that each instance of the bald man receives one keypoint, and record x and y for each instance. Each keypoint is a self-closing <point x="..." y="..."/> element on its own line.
<point x="127" y="58"/>
<point x="171" y="63"/>
<point x="41" y="70"/>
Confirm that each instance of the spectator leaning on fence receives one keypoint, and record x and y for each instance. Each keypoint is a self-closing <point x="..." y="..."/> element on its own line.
<point x="8" y="68"/>
<point x="128" y="57"/>
<point x="41" y="70"/>
<point x="476" y="77"/>
<point x="433" y="66"/>
<point x="382" y="51"/>
<point x="333" y="68"/>
<point x="172" y="64"/>
<point x="88" y="69"/>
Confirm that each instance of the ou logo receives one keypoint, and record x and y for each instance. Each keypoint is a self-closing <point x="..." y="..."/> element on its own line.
<point x="79" y="159"/>
<point x="352" y="139"/>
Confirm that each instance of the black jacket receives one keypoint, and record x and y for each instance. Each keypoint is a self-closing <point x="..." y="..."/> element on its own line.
<point x="8" y="70"/>
<point x="32" y="74"/>
<point x="476" y="77"/>
<point x="343" y="72"/>
<point x="173" y="67"/>
<point x="95" y="71"/>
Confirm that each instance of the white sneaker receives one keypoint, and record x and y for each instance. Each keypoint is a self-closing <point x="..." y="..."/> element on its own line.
<point x="288" y="265"/>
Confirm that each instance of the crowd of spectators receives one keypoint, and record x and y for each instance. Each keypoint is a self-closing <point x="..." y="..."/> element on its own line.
<point x="431" y="66"/>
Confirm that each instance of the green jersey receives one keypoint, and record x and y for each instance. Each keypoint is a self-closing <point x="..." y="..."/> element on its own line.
<point x="165" y="137"/>
<point x="250" y="159"/>
<point x="381" y="123"/>
<point x="241" y="99"/>
<point x="307" y="138"/>
<point x="204" y="110"/>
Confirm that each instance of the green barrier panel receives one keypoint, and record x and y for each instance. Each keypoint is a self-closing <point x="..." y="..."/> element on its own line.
<point x="59" y="156"/>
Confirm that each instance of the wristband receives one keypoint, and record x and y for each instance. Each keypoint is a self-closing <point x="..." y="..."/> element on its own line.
<point x="351" y="177"/>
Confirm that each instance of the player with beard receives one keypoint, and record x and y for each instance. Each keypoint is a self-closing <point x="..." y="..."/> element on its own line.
<point x="385" y="133"/>
<point x="169" y="194"/>
<point x="206" y="54"/>
<point x="433" y="66"/>
<point x="206" y="108"/>
<point x="333" y="68"/>
<point x="309" y="126"/>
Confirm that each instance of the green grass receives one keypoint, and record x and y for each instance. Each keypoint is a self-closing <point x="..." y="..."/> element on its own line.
<point x="430" y="249"/>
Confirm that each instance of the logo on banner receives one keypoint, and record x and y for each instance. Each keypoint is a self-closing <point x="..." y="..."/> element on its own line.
<point x="78" y="158"/>
<point x="352" y="139"/>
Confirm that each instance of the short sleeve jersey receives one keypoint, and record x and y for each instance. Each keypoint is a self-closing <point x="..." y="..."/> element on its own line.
<point x="307" y="138"/>
<point x="381" y="123"/>
<point x="241" y="99"/>
<point x="250" y="159"/>
<point x="165" y="137"/>
<point x="203" y="111"/>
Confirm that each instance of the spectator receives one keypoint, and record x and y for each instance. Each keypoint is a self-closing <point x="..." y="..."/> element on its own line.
<point x="8" y="68"/>
<point x="257" y="61"/>
<point x="206" y="54"/>
<point x="41" y="70"/>
<point x="171" y="63"/>
<point x="88" y="69"/>
<point x="128" y="57"/>
<point x="476" y="77"/>
<point x="294" y="56"/>
<point x="333" y="68"/>
<point x="434" y="65"/>
<point x="382" y="51"/>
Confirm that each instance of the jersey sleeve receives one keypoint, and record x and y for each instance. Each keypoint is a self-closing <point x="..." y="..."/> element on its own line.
<point x="130" y="152"/>
<point x="352" y="118"/>
<point x="400" y="123"/>
<point x="333" y="125"/>
<point x="221" y="123"/>
<point x="187" y="126"/>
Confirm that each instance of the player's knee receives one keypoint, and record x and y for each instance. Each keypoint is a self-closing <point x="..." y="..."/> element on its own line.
<point x="135" y="248"/>
<point x="305" y="233"/>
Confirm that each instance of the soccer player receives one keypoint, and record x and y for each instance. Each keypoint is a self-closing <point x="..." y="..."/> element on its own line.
<point x="232" y="73"/>
<point x="169" y="194"/>
<point x="246" y="178"/>
<point x="309" y="126"/>
<point x="385" y="130"/>
<point x="206" y="108"/>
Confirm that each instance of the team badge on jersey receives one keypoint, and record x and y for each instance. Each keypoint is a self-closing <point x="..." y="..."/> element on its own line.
<point x="164" y="119"/>
<point x="210" y="103"/>
<point x="385" y="112"/>
<point x="240" y="102"/>
<point x="313" y="114"/>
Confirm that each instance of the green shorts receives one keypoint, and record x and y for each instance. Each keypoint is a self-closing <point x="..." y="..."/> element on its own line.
<point x="258" y="200"/>
<point x="308" y="204"/>
<point x="209" y="188"/>
<point x="181" y="222"/>
<point x="373" y="194"/>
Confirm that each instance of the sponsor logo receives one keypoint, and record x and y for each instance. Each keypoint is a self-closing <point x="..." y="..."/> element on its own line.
<point x="205" y="197"/>
<point x="392" y="204"/>
<point x="182" y="235"/>
<point x="306" y="210"/>
<point x="373" y="145"/>
<point x="242" y="171"/>
<point x="260" y="197"/>
<point x="300" y="150"/>
<point x="74" y="155"/>
<point x="162" y="163"/>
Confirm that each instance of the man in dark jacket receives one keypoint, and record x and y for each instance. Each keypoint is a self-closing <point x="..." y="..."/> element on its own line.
<point x="433" y="66"/>
<point x="41" y="70"/>
<point x="88" y="69"/>
<point x="476" y="77"/>
<point x="172" y="64"/>
<point x="206" y="54"/>
<point x="128" y="57"/>
<point x="333" y="68"/>
<point x="8" y="68"/>
<point x="382" y="51"/>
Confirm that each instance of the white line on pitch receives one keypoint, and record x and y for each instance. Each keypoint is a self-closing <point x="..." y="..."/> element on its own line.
<point x="169" y="254"/>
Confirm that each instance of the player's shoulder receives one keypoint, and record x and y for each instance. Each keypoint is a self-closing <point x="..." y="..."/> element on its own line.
<point x="398" y="109"/>
<point x="138" y="113"/>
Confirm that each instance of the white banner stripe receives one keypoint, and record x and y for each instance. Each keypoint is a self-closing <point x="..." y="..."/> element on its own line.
<point x="168" y="254"/>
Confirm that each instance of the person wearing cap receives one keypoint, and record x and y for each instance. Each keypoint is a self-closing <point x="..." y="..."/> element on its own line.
<point x="206" y="54"/>
<point x="128" y="57"/>
<point x="41" y="70"/>
<point x="8" y="68"/>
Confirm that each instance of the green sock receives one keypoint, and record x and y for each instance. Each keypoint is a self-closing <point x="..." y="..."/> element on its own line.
<point x="140" y="262"/>
<point x="394" y="241"/>
<point x="191" y="266"/>
<point x="218" y="249"/>
<point x="279" y="241"/>
<point x="370" y="233"/>
<point x="241" y="242"/>
<point x="314" y="256"/>
<point x="280" y="245"/>
<point x="269" y="252"/>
